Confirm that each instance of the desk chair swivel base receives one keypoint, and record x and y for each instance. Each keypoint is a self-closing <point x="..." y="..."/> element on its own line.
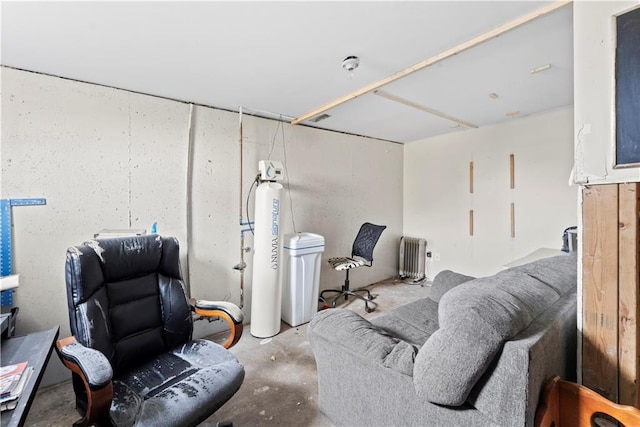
<point x="346" y="293"/>
<point x="361" y="256"/>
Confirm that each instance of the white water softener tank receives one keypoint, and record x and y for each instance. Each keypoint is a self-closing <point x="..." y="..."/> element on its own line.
<point x="266" y="298"/>
<point x="301" y="276"/>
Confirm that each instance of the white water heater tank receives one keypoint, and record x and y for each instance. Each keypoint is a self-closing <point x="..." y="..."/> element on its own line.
<point x="266" y="297"/>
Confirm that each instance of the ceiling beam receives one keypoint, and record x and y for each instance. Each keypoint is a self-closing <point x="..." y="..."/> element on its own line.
<point x="524" y="19"/>
<point x="423" y="108"/>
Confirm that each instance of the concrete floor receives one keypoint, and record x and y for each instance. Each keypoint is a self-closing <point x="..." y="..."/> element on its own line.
<point x="280" y="385"/>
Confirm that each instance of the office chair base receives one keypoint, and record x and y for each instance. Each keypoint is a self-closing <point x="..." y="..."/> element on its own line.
<point x="346" y="293"/>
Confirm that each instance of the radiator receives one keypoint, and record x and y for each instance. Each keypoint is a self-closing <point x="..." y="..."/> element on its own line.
<point x="412" y="258"/>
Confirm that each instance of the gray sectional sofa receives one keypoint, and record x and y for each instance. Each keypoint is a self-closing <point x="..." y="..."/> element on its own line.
<point x="474" y="353"/>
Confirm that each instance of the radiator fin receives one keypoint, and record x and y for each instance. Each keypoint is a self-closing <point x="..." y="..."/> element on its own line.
<point x="412" y="258"/>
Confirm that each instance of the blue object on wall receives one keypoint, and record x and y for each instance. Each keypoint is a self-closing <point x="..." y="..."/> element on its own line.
<point x="6" y="298"/>
<point x="5" y="238"/>
<point x="6" y="244"/>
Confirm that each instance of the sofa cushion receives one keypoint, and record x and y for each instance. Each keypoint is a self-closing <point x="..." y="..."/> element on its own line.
<point x="558" y="272"/>
<point x="357" y="335"/>
<point x="416" y="321"/>
<point x="445" y="281"/>
<point x="475" y="319"/>
<point x="413" y="322"/>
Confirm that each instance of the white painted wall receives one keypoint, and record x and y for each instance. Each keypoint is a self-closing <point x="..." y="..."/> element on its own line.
<point x="107" y="158"/>
<point x="594" y="97"/>
<point x="336" y="182"/>
<point x="437" y="199"/>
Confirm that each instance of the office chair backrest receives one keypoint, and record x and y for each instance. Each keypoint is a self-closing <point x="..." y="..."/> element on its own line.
<point x="126" y="298"/>
<point x="366" y="240"/>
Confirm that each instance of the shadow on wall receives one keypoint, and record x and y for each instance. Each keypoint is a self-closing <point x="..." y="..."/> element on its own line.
<point x="601" y="368"/>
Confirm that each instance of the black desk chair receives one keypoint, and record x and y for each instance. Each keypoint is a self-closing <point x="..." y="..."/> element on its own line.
<point x="361" y="256"/>
<point x="132" y="358"/>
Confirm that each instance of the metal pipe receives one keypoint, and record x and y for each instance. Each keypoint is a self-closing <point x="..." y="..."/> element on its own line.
<point x="189" y="195"/>
<point x="242" y="264"/>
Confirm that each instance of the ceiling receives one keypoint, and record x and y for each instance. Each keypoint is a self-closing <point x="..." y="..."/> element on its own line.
<point x="284" y="58"/>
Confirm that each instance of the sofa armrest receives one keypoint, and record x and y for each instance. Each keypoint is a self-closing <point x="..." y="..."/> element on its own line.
<point x="351" y="332"/>
<point x="95" y="371"/>
<point x="510" y="389"/>
<point x="225" y="310"/>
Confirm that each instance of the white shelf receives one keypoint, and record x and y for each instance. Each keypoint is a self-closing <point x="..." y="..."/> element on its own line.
<point x="9" y="282"/>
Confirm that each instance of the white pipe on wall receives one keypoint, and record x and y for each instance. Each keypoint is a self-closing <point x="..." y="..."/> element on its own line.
<point x="242" y="265"/>
<point x="189" y="197"/>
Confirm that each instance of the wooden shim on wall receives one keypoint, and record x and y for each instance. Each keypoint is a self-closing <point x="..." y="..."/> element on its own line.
<point x="513" y="219"/>
<point x="512" y="176"/>
<point x="600" y="289"/>
<point x="471" y="222"/>
<point x="628" y="277"/>
<point x="471" y="177"/>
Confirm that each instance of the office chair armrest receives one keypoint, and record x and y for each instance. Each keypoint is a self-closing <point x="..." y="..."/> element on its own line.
<point x="227" y="311"/>
<point x="564" y="403"/>
<point x="96" y="373"/>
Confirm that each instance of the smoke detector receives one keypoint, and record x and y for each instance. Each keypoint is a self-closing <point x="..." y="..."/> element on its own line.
<point x="350" y="63"/>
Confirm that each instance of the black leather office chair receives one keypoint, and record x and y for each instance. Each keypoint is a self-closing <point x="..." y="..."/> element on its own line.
<point x="361" y="256"/>
<point x="132" y="358"/>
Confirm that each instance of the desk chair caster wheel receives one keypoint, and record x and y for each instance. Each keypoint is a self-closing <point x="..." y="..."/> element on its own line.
<point x="367" y="307"/>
